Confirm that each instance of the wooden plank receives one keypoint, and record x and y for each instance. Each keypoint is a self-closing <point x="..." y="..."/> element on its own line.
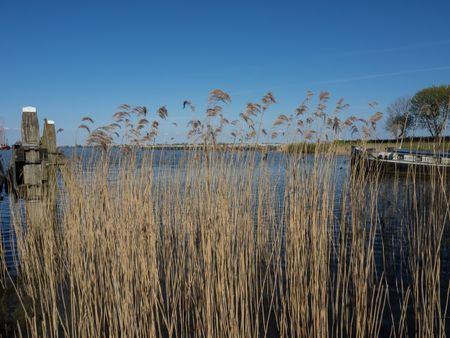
<point x="32" y="156"/>
<point x="33" y="192"/>
<point x="32" y="174"/>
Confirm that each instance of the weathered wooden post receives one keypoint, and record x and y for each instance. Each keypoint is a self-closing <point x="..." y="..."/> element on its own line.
<point x="48" y="141"/>
<point x="32" y="158"/>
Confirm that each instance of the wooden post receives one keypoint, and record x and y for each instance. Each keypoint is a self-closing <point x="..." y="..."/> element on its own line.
<point x="30" y="126"/>
<point x="33" y="167"/>
<point x="48" y="142"/>
<point x="49" y="138"/>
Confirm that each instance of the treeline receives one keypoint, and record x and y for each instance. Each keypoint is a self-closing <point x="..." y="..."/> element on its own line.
<point x="415" y="139"/>
<point x="427" y="110"/>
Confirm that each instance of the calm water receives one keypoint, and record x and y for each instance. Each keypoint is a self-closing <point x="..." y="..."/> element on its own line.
<point x="391" y="233"/>
<point x="7" y="235"/>
<point x="394" y="210"/>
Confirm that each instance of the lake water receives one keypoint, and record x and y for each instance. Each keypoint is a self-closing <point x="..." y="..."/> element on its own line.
<point x="394" y="209"/>
<point x="393" y="192"/>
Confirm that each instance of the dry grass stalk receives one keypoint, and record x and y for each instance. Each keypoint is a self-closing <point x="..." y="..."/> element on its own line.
<point x="217" y="244"/>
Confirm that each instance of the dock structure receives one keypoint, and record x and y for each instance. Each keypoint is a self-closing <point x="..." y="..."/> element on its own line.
<point x="33" y="165"/>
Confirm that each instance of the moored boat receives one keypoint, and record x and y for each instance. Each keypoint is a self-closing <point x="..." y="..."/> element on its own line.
<point x="398" y="160"/>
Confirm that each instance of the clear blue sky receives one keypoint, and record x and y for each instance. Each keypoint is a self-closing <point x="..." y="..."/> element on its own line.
<point x="72" y="59"/>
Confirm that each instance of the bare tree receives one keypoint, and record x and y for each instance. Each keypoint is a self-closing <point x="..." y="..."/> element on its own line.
<point x="399" y="120"/>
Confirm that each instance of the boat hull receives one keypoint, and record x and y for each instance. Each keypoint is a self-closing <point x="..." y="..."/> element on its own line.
<point x="369" y="161"/>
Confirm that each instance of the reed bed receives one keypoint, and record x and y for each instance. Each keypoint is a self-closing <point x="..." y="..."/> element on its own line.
<point x="228" y="244"/>
<point x="215" y="246"/>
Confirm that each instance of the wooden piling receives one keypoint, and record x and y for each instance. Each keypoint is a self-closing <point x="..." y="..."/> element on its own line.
<point x="50" y="167"/>
<point x="32" y="167"/>
<point x="30" y="126"/>
<point x="48" y="140"/>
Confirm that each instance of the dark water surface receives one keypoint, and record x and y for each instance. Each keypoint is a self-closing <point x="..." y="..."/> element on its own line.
<point x="395" y="205"/>
<point x="393" y="192"/>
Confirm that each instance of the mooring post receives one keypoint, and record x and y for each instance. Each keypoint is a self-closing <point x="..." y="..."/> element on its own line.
<point x="33" y="166"/>
<point x="30" y="127"/>
<point x="48" y="142"/>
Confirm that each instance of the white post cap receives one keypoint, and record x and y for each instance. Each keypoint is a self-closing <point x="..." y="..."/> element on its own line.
<point x="29" y="109"/>
<point x="50" y="122"/>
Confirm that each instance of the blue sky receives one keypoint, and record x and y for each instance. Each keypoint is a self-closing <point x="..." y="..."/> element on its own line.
<point x="72" y="59"/>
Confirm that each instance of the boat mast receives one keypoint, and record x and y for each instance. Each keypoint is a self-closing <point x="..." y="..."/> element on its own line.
<point x="2" y="135"/>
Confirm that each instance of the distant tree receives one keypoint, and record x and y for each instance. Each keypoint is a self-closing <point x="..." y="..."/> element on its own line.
<point x="430" y="108"/>
<point x="399" y="120"/>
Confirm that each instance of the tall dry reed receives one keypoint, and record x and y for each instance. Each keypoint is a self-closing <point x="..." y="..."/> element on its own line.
<point x="215" y="243"/>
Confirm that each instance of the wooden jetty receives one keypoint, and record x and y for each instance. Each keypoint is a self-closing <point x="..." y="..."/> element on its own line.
<point x="34" y="161"/>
